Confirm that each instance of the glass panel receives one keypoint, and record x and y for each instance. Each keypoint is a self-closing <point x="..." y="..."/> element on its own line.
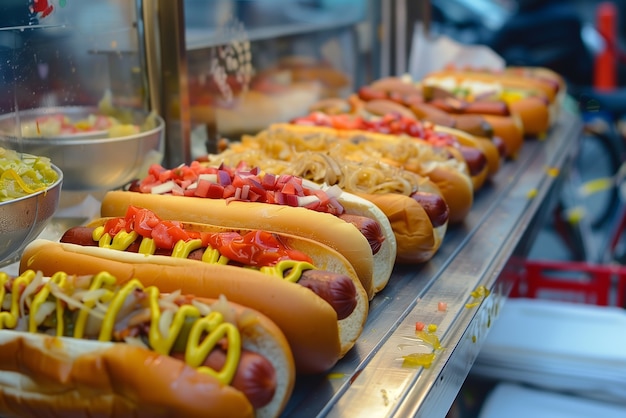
<point x="71" y="77"/>
<point x="68" y="52"/>
<point x="252" y="63"/>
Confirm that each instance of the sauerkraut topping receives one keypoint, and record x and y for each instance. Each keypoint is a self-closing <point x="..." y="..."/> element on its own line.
<point x="24" y="174"/>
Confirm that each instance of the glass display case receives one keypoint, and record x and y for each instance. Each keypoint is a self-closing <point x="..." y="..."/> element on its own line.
<point x="210" y="68"/>
<point x="70" y="53"/>
<point x="222" y="68"/>
<point x="74" y="84"/>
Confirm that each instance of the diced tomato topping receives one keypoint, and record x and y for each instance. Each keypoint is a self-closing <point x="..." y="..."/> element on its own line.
<point x="255" y="248"/>
<point x="175" y="231"/>
<point x="215" y="191"/>
<point x="289" y="188"/>
<point x="269" y="181"/>
<point x="241" y="183"/>
<point x="161" y="237"/>
<point x="113" y="226"/>
<point x="202" y="189"/>
<point x="391" y="123"/>
<point x="238" y="182"/>
<point x="229" y="191"/>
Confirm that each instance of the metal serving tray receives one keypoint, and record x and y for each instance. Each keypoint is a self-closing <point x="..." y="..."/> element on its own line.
<point x="373" y="380"/>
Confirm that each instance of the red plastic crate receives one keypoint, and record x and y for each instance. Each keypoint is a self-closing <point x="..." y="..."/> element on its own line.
<point x="602" y="285"/>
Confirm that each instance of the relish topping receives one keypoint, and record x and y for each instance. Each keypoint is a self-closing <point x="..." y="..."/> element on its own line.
<point x="69" y="306"/>
<point x="239" y="183"/>
<point x="23" y="174"/>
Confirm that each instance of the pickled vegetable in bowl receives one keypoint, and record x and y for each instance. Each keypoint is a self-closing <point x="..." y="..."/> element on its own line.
<point x="104" y="121"/>
<point x="91" y="163"/>
<point x="60" y="125"/>
<point x="24" y="174"/>
<point x="30" y="188"/>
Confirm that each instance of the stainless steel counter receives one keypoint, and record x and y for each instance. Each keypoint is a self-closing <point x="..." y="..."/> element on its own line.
<point x="374" y="379"/>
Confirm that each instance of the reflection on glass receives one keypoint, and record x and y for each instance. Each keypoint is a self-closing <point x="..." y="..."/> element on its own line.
<point x="67" y="52"/>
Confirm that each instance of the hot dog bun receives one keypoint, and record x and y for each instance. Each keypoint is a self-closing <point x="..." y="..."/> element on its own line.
<point x="531" y="100"/>
<point x="417" y="241"/>
<point x="535" y="115"/>
<point x="448" y="174"/>
<point x="317" y="339"/>
<point x="322" y="227"/>
<point x="481" y="161"/>
<point x="510" y="129"/>
<point x="418" y="233"/>
<point x="159" y="384"/>
<point x="323" y="258"/>
<point x="76" y="367"/>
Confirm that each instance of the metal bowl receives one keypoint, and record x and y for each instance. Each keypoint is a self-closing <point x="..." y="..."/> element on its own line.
<point x="89" y="161"/>
<point x="24" y="218"/>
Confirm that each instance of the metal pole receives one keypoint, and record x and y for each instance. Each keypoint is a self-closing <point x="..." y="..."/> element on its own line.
<point x="166" y="58"/>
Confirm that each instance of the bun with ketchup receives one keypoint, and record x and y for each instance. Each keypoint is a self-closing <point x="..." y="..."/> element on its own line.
<point x="252" y="199"/>
<point x="87" y="346"/>
<point x="271" y="272"/>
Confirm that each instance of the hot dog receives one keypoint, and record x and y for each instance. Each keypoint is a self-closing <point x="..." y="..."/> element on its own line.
<point x="551" y="81"/>
<point x="317" y="336"/>
<point x="253" y="199"/>
<point x="469" y="152"/>
<point x="308" y="263"/>
<point x="493" y="94"/>
<point x="406" y="102"/>
<point x="135" y="351"/>
<point x="449" y="174"/>
<point x="413" y="204"/>
<point x="482" y="155"/>
<point x="406" y="94"/>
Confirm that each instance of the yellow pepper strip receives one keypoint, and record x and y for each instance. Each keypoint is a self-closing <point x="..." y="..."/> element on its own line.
<point x="13" y="174"/>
